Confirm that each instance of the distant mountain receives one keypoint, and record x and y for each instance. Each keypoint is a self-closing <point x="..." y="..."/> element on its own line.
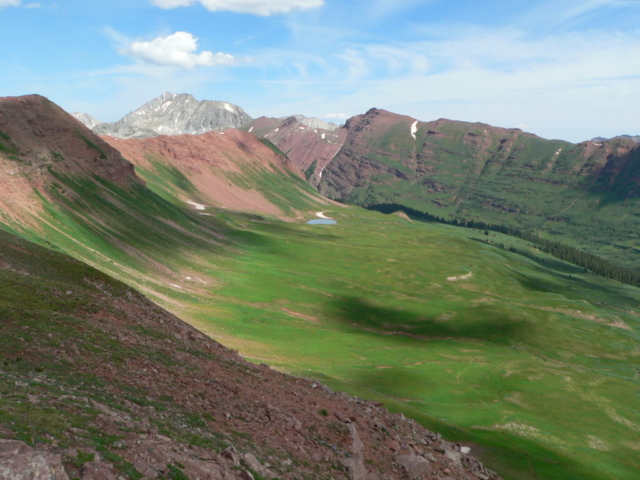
<point x="315" y="122"/>
<point x="175" y="114"/>
<point x="303" y="140"/>
<point x="87" y="120"/>
<point x="585" y="194"/>
<point x="635" y="138"/>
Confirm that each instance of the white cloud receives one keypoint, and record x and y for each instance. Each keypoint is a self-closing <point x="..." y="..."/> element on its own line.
<point x="9" y="3"/>
<point x="176" y="50"/>
<point x="261" y="8"/>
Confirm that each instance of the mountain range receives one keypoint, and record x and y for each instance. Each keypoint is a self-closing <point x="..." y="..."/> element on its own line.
<point x="108" y="364"/>
<point x="584" y="195"/>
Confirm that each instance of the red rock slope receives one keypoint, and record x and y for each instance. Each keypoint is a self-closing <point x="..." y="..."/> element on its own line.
<point x="311" y="149"/>
<point x="39" y="140"/>
<point x="229" y="169"/>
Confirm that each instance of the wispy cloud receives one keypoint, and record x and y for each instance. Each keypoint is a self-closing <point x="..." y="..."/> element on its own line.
<point x="9" y="3"/>
<point x="262" y="8"/>
<point x="570" y="82"/>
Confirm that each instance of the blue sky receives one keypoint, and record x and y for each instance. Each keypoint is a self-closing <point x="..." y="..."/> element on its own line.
<point x="561" y="69"/>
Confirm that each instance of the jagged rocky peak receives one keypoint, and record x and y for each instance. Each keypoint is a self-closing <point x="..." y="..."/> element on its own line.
<point x="315" y="122"/>
<point x="86" y="119"/>
<point x="176" y="114"/>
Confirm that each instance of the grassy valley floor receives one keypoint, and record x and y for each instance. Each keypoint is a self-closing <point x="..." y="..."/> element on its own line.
<point x="532" y="362"/>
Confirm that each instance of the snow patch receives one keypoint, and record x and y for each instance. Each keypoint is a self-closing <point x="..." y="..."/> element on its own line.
<point x="414" y="129"/>
<point x="196" y="205"/>
<point x="323" y="136"/>
<point x="251" y="130"/>
<point x="558" y="152"/>
<point x="322" y="215"/>
<point x="176" y="286"/>
<point x="277" y="130"/>
<point x="229" y="108"/>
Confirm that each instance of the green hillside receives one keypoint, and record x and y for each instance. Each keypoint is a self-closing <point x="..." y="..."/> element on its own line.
<point x="586" y="195"/>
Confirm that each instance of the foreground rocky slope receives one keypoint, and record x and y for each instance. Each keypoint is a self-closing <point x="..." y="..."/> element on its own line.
<point x="174" y="114"/>
<point x="97" y="382"/>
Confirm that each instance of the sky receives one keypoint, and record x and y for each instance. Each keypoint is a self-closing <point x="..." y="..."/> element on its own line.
<point x="564" y="69"/>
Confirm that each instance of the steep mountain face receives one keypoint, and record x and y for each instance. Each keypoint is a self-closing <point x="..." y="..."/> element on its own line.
<point x="38" y="142"/>
<point x="586" y="193"/>
<point x="231" y="169"/>
<point x="87" y="120"/>
<point x="175" y="114"/>
<point x="311" y="148"/>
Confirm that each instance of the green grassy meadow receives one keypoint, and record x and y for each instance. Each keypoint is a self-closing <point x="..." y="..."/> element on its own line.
<point x="532" y="363"/>
<point x="536" y="368"/>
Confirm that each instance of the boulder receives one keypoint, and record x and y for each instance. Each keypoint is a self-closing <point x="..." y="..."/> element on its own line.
<point x="18" y="461"/>
<point x="415" y="465"/>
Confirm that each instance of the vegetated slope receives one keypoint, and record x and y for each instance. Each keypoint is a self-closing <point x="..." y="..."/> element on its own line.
<point x="67" y="188"/>
<point x="464" y="336"/>
<point x="230" y="169"/>
<point x="103" y="384"/>
<point x="175" y="114"/>
<point x="310" y="147"/>
<point x="585" y="194"/>
<point x="38" y="142"/>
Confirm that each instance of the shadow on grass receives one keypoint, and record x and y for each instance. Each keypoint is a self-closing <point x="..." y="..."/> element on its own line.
<point x="484" y="323"/>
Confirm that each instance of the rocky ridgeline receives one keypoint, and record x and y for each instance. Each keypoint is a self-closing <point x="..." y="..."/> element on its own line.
<point x="171" y="114"/>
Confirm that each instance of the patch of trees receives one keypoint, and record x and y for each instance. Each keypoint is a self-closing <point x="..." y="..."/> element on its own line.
<point x="592" y="263"/>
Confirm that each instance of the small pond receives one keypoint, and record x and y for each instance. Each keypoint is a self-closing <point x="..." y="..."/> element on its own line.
<point x="322" y="221"/>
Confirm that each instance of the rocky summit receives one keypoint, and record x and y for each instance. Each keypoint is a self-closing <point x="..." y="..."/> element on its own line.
<point x="175" y="114"/>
